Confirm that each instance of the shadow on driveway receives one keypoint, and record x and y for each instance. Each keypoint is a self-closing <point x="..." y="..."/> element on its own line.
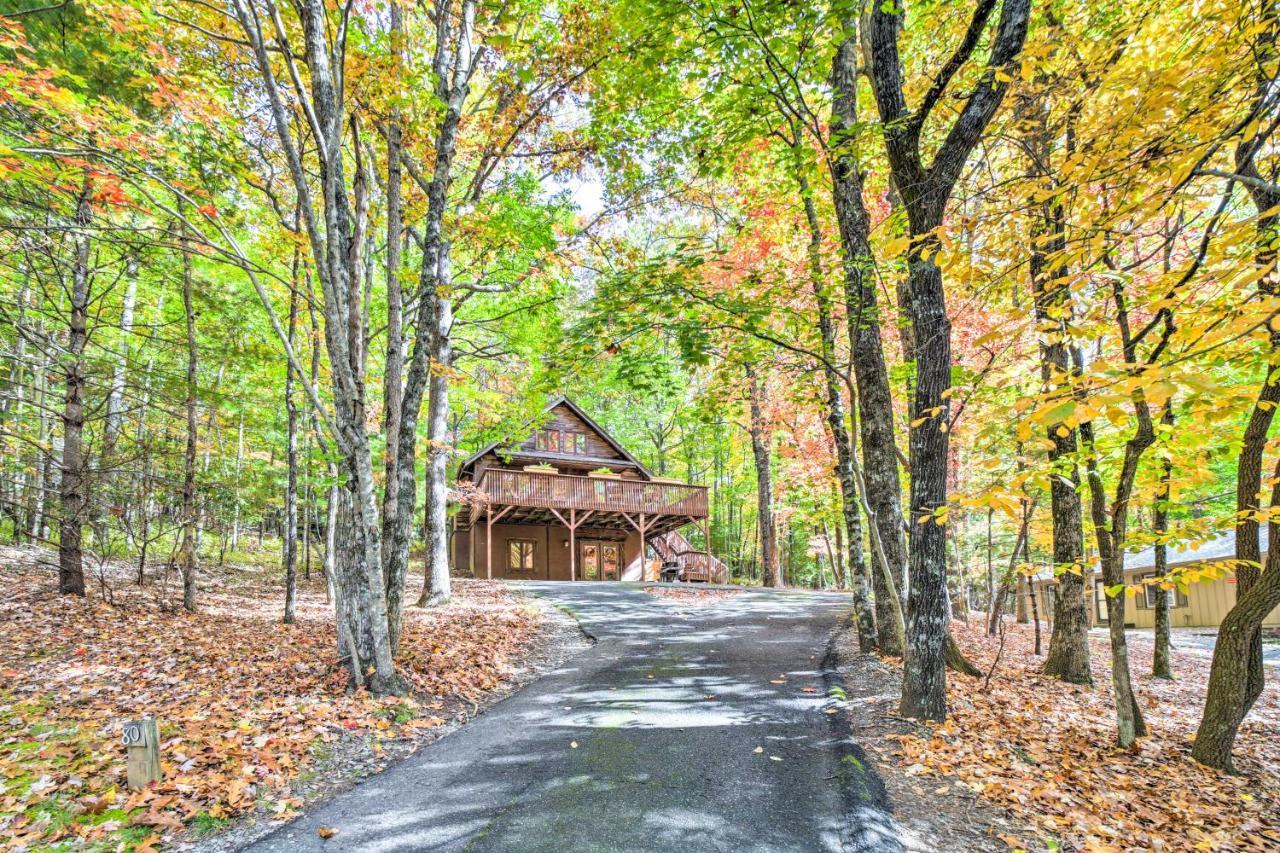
<point x="686" y="727"/>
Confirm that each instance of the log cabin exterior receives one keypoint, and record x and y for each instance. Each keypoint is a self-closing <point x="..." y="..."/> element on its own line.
<point x="542" y="507"/>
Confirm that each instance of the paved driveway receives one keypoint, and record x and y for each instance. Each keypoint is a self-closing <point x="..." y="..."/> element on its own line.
<point x="1201" y="641"/>
<point x="685" y="728"/>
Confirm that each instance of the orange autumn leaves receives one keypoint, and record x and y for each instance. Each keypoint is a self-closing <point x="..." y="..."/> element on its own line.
<point x="243" y="701"/>
<point x="1044" y="750"/>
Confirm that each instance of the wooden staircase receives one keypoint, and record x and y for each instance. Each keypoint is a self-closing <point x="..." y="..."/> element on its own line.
<point x="694" y="565"/>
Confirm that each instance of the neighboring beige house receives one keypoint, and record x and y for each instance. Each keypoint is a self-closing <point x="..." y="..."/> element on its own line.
<point x="1203" y="605"/>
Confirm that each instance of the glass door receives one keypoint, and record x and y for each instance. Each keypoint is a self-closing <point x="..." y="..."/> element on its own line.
<point x="610" y="561"/>
<point x="589" y="561"/>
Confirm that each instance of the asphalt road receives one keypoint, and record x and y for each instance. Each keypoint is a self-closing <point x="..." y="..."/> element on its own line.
<point x="684" y="728"/>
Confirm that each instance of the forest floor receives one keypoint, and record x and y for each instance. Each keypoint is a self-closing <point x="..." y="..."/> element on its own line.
<point x="255" y="718"/>
<point x="1030" y="760"/>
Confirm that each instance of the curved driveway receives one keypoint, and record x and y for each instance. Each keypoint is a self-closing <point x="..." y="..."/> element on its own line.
<point x="686" y="727"/>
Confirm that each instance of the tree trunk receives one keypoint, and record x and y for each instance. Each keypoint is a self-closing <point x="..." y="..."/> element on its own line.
<point x="187" y="558"/>
<point x="115" y="401"/>
<point x="1110" y="531"/>
<point x="73" y="488"/>
<point x="393" y="374"/>
<point x="924" y="680"/>
<point x="437" y="587"/>
<point x="924" y="192"/>
<point x="1161" y="666"/>
<point x="762" y="452"/>
<point x="1226" y="704"/>
<point x="290" y="543"/>
<point x="1069" y="643"/>
<point x="875" y="402"/>
<point x="432" y="358"/>
<point x="864" y="614"/>
<point x="1237" y="675"/>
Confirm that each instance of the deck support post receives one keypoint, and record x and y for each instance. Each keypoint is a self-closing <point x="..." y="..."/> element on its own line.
<point x="488" y="545"/>
<point x="643" y="528"/>
<point x="573" y="545"/>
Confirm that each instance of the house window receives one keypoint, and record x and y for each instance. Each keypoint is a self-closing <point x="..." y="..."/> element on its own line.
<point x="548" y="440"/>
<point x="575" y="442"/>
<point x="520" y="555"/>
<point x="1151" y="593"/>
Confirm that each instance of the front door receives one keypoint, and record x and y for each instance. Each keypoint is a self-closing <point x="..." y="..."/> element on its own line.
<point x="1100" y="603"/>
<point x="599" y="560"/>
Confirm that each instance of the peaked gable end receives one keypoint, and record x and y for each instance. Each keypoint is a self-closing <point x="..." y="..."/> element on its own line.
<point x="565" y="436"/>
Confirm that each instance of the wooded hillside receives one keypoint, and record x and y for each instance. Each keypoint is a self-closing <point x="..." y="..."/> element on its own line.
<point x="932" y="296"/>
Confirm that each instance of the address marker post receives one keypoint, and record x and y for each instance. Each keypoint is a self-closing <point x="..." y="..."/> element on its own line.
<point x="141" y="739"/>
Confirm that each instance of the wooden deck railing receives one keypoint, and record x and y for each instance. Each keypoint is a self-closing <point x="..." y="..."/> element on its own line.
<point x="565" y="491"/>
<point x="699" y="565"/>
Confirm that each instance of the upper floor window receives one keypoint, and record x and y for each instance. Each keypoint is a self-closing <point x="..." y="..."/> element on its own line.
<point x="560" y="441"/>
<point x="548" y="440"/>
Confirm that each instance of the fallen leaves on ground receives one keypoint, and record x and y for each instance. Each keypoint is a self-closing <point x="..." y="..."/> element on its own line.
<point x="244" y="702"/>
<point x="1045" y="749"/>
<point x="691" y="596"/>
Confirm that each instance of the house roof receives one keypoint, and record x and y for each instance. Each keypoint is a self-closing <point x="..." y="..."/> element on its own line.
<point x="561" y="400"/>
<point x="1223" y="547"/>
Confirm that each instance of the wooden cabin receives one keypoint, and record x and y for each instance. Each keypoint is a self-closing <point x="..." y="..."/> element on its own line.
<point x="568" y="502"/>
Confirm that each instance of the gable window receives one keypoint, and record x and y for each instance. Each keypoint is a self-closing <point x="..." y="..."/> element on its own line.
<point x="575" y="442"/>
<point x="520" y="555"/>
<point x="548" y="440"/>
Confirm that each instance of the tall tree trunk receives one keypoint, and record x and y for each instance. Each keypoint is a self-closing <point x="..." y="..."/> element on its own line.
<point x="762" y="452"/>
<point x="1160" y="663"/>
<point x="393" y="374"/>
<point x="336" y="230"/>
<point x="236" y="500"/>
<point x="875" y="401"/>
<point x="11" y="404"/>
<point x="860" y="582"/>
<point x="187" y="559"/>
<point x="437" y="588"/>
<point x="115" y="408"/>
<point x="432" y="357"/>
<point x="924" y="192"/>
<point x="1225" y="706"/>
<point x="73" y="489"/>
<point x="1237" y="676"/>
<point x="1069" y="643"/>
<point x="1110" y="532"/>
<point x="290" y="543"/>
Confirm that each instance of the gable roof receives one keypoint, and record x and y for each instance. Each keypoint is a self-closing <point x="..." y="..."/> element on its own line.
<point x="561" y="400"/>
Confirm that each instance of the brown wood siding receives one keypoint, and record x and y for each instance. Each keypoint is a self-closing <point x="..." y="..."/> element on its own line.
<point x="551" y="552"/>
<point x="564" y="419"/>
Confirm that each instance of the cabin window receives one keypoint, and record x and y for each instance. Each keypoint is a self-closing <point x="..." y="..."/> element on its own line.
<point x="548" y="440"/>
<point x="575" y="442"/>
<point x="1151" y="595"/>
<point x="520" y="555"/>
